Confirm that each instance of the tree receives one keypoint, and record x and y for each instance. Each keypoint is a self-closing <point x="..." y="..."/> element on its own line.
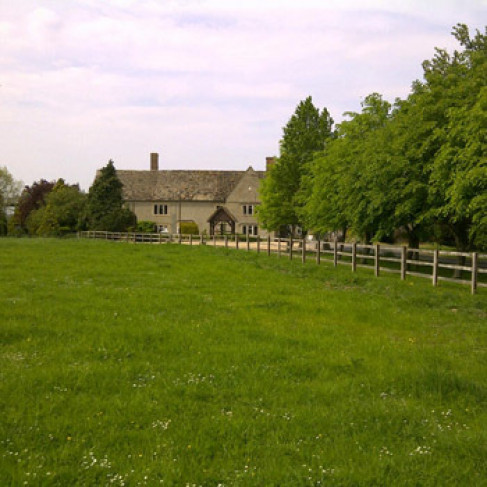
<point x="105" y="209"/>
<point x="281" y="192"/>
<point x="421" y="167"/>
<point x="9" y="193"/>
<point x="347" y="187"/>
<point x="458" y="170"/>
<point x="32" y="198"/>
<point x="62" y="213"/>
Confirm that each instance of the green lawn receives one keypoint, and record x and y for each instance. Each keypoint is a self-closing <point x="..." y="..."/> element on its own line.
<point x="127" y="364"/>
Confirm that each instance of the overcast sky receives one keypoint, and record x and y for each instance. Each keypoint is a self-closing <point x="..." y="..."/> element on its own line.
<point x="208" y="84"/>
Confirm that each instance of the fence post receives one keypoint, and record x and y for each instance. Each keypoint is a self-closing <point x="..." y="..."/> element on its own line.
<point x="404" y="254"/>
<point x="354" y="257"/>
<point x="258" y="243"/>
<point x="435" y="267"/>
<point x="474" y="272"/>
<point x="268" y="245"/>
<point x="279" y="246"/>
<point x="291" y="247"/>
<point x="236" y="241"/>
<point x="377" y="260"/>
<point x="214" y="240"/>
<point x="248" y="242"/>
<point x="303" y="255"/>
<point x="225" y="239"/>
<point x="335" y="252"/>
<point x="318" y="248"/>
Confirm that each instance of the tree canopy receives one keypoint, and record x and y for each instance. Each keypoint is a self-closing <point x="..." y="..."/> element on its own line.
<point x="306" y="132"/>
<point x="105" y="209"/>
<point x="62" y="213"/>
<point x="32" y="198"/>
<point x="419" y="166"/>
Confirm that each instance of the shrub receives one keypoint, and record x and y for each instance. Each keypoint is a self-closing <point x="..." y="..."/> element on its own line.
<point x="189" y="228"/>
<point x="145" y="226"/>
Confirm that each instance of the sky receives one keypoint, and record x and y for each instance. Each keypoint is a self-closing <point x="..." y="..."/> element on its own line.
<point x="208" y="84"/>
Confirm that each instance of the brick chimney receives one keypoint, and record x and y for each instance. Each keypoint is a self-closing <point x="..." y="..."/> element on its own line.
<point x="154" y="161"/>
<point x="269" y="162"/>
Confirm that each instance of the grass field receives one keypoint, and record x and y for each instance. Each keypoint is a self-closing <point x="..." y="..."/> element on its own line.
<point x="126" y="364"/>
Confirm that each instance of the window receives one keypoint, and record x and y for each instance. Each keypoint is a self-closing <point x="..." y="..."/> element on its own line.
<point x="162" y="229"/>
<point x="160" y="210"/>
<point x="250" y="229"/>
<point x="248" y="209"/>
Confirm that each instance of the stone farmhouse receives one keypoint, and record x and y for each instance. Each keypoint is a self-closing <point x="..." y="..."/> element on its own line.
<point x="219" y="202"/>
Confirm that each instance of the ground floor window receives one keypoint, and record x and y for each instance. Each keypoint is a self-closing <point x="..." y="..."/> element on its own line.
<point x="250" y="229"/>
<point x="160" y="209"/>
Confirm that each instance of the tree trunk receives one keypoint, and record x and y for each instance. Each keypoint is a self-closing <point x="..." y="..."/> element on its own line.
<point x="366" y="251"/>
<point x="342" y="240"/>
<point x="413" y="243"/>
<point x="457" y="273"/>
<point x="460" y="233"/>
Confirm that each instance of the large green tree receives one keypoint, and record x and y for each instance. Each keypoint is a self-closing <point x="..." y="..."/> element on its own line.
<point x="347" y="187"/>
<point x="307" y="131"/>
<point x="456" y="92"/>
<point x="105" y="209"/>
<point x="63" y="212"/>
<point x="420" y="168"/>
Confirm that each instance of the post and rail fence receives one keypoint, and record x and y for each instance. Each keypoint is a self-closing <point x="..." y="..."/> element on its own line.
<point x="425" y="263"/>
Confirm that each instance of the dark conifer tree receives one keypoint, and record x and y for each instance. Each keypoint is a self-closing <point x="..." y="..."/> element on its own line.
<point x="105" y="209"/>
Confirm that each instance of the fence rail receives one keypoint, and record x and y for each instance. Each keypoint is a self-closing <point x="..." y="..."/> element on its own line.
<point x="425" y="263"/>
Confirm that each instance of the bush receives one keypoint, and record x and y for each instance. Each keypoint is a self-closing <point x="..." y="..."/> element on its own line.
<point x="117" y="221"/>
<point x="189" y="228"/>
<point x="145" y="226"/>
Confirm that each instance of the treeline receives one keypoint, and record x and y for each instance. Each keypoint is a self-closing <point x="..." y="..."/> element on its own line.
<point x="56" y="208"/>
<point x="417" y="167"/>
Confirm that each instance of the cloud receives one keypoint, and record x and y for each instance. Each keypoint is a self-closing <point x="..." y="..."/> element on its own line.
<point x="208" y="83"/>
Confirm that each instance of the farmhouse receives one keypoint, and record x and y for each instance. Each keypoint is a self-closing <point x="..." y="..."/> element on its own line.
<point x="217" y="201"/>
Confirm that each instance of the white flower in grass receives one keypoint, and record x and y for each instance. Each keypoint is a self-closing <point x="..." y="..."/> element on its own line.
<point x="421" y="450"/>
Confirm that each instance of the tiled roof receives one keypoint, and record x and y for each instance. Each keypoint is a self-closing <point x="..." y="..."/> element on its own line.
<point x="170" y="185"/>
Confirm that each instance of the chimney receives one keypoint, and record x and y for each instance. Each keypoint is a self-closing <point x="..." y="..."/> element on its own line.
<point x="269" y="162"/>
<point x="154" y="161"/>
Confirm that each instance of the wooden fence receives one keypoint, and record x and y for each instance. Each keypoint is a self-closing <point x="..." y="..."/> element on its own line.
<point x="468" y="267"/>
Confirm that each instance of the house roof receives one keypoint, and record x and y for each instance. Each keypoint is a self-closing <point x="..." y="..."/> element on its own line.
<point x="168" y="185"/>
<point x="222" y="212"/>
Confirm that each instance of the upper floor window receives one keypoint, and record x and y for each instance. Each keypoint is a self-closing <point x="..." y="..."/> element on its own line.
<point x="248" y="209"/>
<point x="160" y="209"/>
